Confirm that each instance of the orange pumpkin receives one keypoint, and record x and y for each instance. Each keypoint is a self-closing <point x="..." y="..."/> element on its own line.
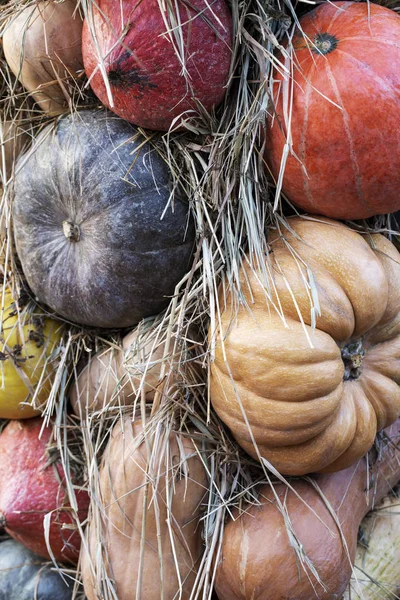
<point x="339" y="111"/>
<point x="117" y="377"/>
<point x="150" y="501"/>
<point x="312" y="398"/>
<point x="257" y="558"/>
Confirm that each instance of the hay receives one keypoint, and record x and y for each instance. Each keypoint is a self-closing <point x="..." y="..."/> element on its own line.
<point x="218" y="161"/>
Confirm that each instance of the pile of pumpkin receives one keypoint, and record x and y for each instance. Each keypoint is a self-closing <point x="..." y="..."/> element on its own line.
<point x="304" y="366"/>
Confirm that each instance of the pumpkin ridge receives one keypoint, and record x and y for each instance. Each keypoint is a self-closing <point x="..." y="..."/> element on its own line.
<point x="360" y="38"/>
<point x="271" y="431"/>
<point x="352" y="153"/>
<point x="316" y="451"/>
<point x="388" y="89"/>
<point x="381" y="391"/>
<point x="366" y="427"/>
<point x="302" y="141"/>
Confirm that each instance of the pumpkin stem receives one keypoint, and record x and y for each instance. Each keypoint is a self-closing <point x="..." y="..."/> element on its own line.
<point x="324" y="43"/>
<point x="71" y="231"/>
<point x="352" y="356"/>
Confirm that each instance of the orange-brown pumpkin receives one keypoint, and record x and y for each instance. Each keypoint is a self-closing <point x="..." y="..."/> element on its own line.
<point x="148" y="517"/>
<point x="314" y="398"/>
<point x="257" y="560"/>
<point x="116" y="377"/>
<point x="43" y="47"/>
<point x="343" y="121"/>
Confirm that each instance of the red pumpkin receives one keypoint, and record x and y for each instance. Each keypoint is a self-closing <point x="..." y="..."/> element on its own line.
<point x="148" y="84"/>
<point x="33" y="489"/>
<point x="345" y="118"/>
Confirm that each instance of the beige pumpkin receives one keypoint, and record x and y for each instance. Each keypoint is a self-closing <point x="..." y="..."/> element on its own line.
<point x="144" y="533"/>
<point x="118" y="376"/>
<point x="42" y="46"/>
<point x="312" y="398"/>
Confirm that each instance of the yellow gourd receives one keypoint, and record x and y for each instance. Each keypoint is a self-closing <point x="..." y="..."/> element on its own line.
<point x="28" y="355"/>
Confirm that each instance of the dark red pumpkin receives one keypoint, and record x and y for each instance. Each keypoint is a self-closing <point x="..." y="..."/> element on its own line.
<point x="345" y="115"/>
<point x="149" y="85"/>
<point x="33" y="492"/>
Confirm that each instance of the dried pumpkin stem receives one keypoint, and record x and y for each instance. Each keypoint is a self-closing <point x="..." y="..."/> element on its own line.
<point x="352" y="356"/>
<point x="71" y="231"/>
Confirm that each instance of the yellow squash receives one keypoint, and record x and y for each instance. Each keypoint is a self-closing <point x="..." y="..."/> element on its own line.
<point x="28" y="356"/>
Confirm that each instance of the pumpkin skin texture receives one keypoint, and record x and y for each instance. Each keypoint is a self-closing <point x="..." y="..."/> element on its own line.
<point x="30" y="490"/>
<point x="146" y="77"/>
<point x="117" y="376"/>
<point x="87" y="223"/>
<point x="345" y="113"/>
<point x="28" y="347"/>
<point x="123" y="497"/>
<point x="314" y="397"/>
<point x="257" y="560"/>
<point x="42" y="46"/>
<point x="26" y="576"/>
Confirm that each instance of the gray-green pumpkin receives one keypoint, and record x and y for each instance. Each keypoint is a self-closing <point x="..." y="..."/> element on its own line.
<point x="26" y="576"/>
<point x="97" y="239"/>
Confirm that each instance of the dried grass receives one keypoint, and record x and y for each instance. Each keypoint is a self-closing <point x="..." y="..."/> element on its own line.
<point x="218" y="161"/>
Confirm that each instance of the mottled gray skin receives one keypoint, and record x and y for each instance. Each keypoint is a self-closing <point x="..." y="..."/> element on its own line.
<point x="26" y="576"/>
<point x="84" y="179"/>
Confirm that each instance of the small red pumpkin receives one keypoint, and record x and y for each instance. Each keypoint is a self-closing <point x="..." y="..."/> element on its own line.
<point x="33" y="489"/>
<point x="149" y="85"/>
<point x="344" y="120"/>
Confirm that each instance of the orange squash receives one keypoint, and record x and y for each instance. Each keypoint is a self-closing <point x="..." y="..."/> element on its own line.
<point x="148" y="517"/>
<point x="338" y="110"/>
<point x="257" y="559"/>
<point x="117" y="376"/>
<point x="312" y="398"/>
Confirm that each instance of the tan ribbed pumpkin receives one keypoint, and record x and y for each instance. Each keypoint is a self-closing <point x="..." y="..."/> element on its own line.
<point x="116" y="377"/>
<point x="314" y="398"/>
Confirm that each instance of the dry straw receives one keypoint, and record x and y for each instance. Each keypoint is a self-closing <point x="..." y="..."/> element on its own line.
<point x="218" y="160"/>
